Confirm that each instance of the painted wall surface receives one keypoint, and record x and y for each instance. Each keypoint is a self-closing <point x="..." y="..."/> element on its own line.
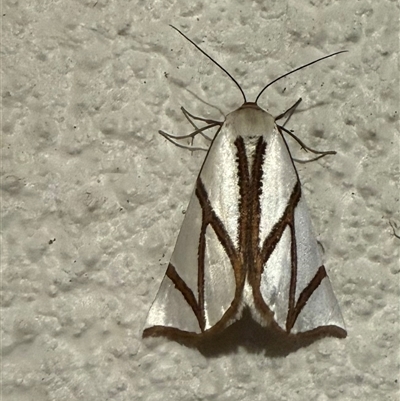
<point x="93" y="198"/>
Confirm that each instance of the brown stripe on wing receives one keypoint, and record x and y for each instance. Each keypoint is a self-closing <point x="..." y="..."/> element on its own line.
<point x="287" y="219"/>
<point x="187" y="293"/>
<point x="255" y="193"/>
<point x="304" y="297"/>
<point x="244" y="201"/>
<point x="209" y="217"/>
<point x="250" y="186"/>
<point x="264" y="252"/>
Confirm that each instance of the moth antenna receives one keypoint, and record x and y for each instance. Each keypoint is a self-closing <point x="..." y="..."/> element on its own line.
<point x="297" y="69"/>
<point x="210" y="58"/>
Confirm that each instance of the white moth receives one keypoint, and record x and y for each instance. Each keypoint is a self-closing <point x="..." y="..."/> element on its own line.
<point x="246" y="239"/>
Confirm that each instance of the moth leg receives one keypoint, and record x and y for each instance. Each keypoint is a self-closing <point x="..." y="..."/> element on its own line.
<point x="309" y="160"/>
<point x="305" y="147"/>
<point x="172" y="138"/>
<point x="206" y="120"/>
<point x="190" y="117"/>
<point x="288" y="112"/>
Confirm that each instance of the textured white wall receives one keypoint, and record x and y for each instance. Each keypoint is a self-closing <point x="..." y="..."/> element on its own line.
<point x="92" y="196"/>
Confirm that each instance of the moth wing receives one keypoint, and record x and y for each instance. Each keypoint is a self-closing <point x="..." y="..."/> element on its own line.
<point x="198" y="291"/>
<point x="293" y="285"/>
<point x="314" y="300"/>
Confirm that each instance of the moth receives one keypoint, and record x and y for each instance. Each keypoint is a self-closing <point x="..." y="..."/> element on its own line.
<point x="247" y="238"/>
